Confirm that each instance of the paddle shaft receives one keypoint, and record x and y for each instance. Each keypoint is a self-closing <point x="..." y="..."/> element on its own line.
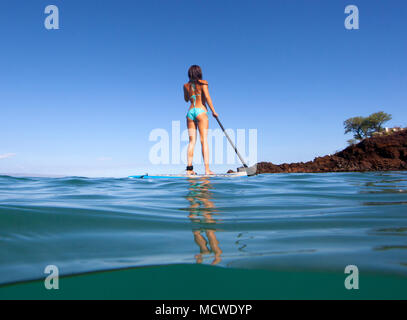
<point x="231" y="142"/>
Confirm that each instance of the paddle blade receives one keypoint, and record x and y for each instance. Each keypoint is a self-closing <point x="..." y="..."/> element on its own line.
<point x="250" y="171"/>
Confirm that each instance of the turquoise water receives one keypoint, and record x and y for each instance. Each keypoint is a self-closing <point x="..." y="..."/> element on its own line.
<point x="281" y="222"/>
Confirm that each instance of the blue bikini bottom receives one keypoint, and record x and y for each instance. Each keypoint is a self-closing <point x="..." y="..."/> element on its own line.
<point x="194" y="112"/>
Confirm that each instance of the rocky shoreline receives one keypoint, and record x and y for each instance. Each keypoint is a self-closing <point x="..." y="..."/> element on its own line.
<point x="379" y="153"/>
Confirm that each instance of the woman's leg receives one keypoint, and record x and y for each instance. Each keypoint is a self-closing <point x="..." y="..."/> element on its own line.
<point x="191" y="125"/>
<point x="203" y="125"/>
<point x="214" y="244"/>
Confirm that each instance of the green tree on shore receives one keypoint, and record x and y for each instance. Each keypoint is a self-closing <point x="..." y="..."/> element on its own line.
<point x="377" y="120"/>
<point x="364" y="127"/>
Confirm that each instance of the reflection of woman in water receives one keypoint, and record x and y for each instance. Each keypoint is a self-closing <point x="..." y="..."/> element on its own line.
<point x="201" y="209"/>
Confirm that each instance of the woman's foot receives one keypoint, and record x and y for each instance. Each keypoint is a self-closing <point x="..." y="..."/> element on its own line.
<point x="216" y="260"/>
<point x="209" y="172"/>
<point x="198" y="258"/>
<point x="191" y="172"/>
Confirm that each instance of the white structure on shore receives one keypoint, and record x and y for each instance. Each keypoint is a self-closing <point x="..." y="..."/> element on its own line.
<point x="389" y="131"/>
<point x="395" y="129"/>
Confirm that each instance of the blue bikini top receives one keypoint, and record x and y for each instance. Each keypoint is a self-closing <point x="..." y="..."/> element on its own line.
<point x="196" y="94"/>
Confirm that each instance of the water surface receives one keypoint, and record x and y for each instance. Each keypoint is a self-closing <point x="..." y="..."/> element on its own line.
<point x="298" y="222"/>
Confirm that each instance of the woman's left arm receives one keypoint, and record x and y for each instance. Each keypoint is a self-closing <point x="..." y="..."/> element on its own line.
<point x="209" y="100"/>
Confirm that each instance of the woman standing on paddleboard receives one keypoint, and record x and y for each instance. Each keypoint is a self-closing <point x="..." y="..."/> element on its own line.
<point x="196" y="91"/>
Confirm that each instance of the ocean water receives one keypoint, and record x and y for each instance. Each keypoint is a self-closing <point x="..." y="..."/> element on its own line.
<point x="279" y="222"/>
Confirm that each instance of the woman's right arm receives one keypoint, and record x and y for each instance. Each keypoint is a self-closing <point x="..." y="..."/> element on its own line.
<point x="208" y="99"/>
<point x="186" y="94"/>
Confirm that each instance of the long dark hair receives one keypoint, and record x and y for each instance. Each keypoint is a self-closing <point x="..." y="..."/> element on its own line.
<point x="195" y="73"/>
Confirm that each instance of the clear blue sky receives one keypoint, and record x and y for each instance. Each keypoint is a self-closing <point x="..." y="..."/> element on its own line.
<point x="82" y="100"/>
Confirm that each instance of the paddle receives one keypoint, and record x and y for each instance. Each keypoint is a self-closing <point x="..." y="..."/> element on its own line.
<point x="251" y="171"/>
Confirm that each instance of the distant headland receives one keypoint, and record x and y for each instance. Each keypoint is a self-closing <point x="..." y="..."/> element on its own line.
<point x="386" y="151"/>
<point x="373" y="148"/>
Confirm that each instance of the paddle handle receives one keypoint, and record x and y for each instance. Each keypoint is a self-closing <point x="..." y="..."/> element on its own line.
<point x="231" y="142"/>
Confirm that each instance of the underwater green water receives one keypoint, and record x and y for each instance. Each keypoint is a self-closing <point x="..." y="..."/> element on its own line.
<point x="255" y="227"/>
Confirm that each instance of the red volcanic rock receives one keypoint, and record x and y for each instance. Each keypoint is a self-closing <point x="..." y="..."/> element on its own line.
<point x="379" y="153"/>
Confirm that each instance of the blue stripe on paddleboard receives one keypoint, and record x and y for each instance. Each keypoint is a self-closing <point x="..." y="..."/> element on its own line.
<point x="146" y="176"/>
<point x="157" y="177"/>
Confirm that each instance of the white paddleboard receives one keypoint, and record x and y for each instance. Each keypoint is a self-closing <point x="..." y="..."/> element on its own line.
<point x="175" y="176"/>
